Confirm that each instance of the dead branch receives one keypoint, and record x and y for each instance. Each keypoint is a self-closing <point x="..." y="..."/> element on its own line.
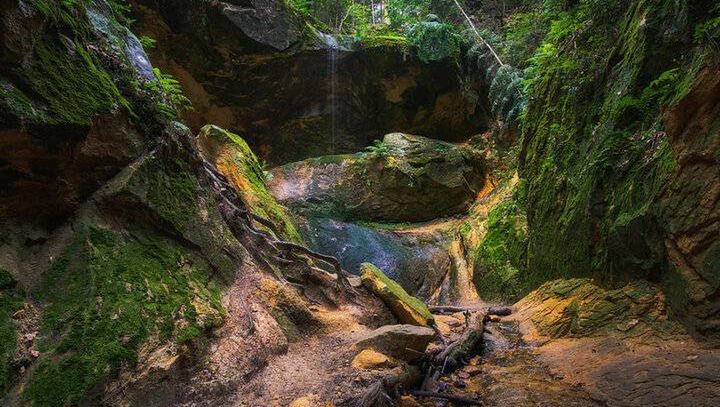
<point x="464" y="347"/>
<point x="375" y="396"/>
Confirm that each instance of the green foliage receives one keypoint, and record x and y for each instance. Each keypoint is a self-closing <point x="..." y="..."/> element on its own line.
<point x="378" y="148"/>
<point x="147" y="43"/>
<point x="107" y="293"/>
<point x="403" y="13"/>
<point x="522" y="36"/>
<point x="435" y="41"/>
<point x="169" y="86"/>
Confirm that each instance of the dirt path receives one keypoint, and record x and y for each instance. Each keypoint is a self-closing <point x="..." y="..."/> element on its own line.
<point x="317" y="365"/>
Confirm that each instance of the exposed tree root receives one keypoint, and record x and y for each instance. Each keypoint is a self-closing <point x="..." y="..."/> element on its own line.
<point x="375" y="396"/>
<point x="238" y="210"/>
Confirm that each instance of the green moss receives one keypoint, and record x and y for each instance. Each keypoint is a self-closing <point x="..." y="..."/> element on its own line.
<point x="595" y="155"/>
<point x="501" y="259"/>
<point x="11" y="297"/>
<point x="168" y="196"/>
<point x="396" y="290"/>
<point x="256" y="193"/>
<point x="72" y="86"/>
<point x="106" y="295"/>
<point x="375" y="41"/>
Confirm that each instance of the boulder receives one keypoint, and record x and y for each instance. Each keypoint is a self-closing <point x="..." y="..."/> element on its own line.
<point x="405" y="178"/>
<point x="369" y="359"/>
<point x="581" y="308"/>
<point x="406" y="308"/>
<point x="405" y="342"/>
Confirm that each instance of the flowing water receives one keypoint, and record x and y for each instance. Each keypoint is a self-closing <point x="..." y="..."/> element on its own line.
<point x="333" y="51"/>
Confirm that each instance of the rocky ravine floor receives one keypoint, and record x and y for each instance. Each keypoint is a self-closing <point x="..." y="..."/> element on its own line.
<point x="568" y="343"/>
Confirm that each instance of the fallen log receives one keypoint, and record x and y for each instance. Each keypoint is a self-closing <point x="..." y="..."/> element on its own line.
<point x="450" y="309"/>
<point x="447" y="309"/>
<point x="499" y="311"/>
<point x="465" y="347"/>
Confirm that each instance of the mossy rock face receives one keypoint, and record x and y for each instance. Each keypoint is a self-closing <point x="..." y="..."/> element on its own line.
<point x="689" y="209"/>
<point x="579" y="307"/>
<point x="500" y="257"/>
<point x="604" y="166"/>
<point x="403" y="179"/>
<point x="77" y="104"/>
<point x="233" y="158"/>
<point x="406" y="308"/>
<point x="106" y="295"/>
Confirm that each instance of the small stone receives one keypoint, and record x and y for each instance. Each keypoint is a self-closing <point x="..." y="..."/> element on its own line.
<point x="408" y="401"/>
<point x="34" y="353"/>
<point x="495" y="318"/>
<point x="310" y="400"/>
<point x="370" y="359"/>
<point x="460" y="383"/>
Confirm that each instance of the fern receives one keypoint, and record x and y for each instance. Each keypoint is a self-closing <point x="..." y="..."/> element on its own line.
<point x="506" y="92"/>
<point x="434" y="41"/>
<point x="172" y="88"/>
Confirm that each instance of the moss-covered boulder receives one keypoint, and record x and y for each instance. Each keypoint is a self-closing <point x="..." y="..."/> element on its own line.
<point x="579" y="307"/>
<point x="233" y="158"/>
<point x="406" y="308"/>
<point x="404" y="178"/>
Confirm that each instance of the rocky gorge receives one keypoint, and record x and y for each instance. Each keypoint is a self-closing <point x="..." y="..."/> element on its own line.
<point x="250" y="203"/>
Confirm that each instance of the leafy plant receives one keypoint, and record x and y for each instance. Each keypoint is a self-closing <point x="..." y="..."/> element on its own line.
<point x="435" y="41"/>
<point x="170" y="86"/>
<point x="147" y="42"/>
<point x="379" y="148"/>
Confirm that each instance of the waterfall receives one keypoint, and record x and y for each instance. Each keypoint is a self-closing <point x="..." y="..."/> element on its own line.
<point x="332" y="70"/>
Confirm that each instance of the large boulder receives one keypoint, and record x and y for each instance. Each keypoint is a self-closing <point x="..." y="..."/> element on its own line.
<point x="579" y="308"/>
<point x="403" y="179"/>
<point x="406" y="308"/>
<point x="405" y="342"/>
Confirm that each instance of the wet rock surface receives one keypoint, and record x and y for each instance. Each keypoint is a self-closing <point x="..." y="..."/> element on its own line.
<point x="417" y="258"/>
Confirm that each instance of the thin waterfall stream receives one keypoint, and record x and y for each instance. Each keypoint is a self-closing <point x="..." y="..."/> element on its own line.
<point x="333" y="78"/>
